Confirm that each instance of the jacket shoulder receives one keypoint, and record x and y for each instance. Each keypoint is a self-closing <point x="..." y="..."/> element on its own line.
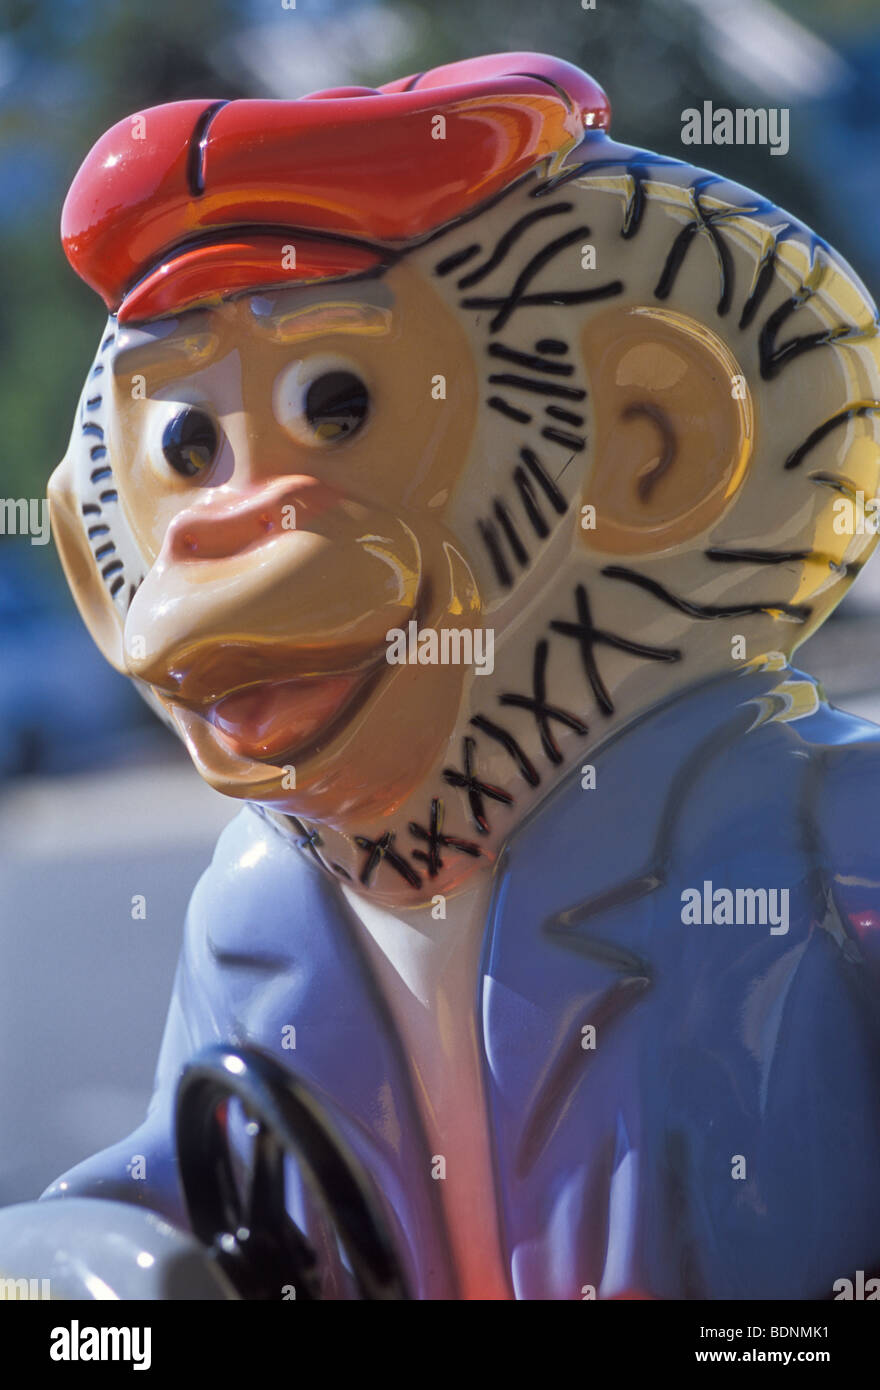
<point x="259" y="894"/>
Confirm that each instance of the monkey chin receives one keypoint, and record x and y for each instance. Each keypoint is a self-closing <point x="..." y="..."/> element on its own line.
<point x="240" y="746"/>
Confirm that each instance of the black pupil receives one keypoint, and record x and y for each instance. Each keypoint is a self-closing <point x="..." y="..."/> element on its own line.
<point x="336" y="405"/>
<point x="189" y="442"/>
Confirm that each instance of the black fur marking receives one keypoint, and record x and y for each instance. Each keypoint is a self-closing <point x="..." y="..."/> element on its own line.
<point x="554" y="496"/>
<point x="518" y="297"/>
<point x="537" y="704"/>
<point x="589" y="637"/>
<point x="508" y="240"/>
<point x="843" y="417"/>
<point x="530" y="359"/>
<point x="476" y="790"/>
<point x="773" y="358"/>
<point x="381" y="852"/>
<point x="457" y="258"/>
<point x="762" y="282"/>
<point x="541" y="388"/>
<point x="311" y="840"/>
<point x="757" y="557"/>
<point x="590" y="166"/>
<point x="555" y="346"/>
<point x="437" y="841"/>
<point x="533" y="511"/>
<point x="634" y="207"/>
<point x="509" y="743"/>
<point x="837" y="483"/>
<point x="490" y="539"/>
<point x="106" y="558"/>
<point x="531" y="301"/>
<point x="522" y="417"/>
<point x="637" y="173"/>
<point x="568" y="417"/>
<point x="799" y="611"/>
<point x="568" y="441"/>
<point x="502" y="516"/>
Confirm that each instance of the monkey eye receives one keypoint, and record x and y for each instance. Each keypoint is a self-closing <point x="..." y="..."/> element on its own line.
<point x="321" y="403"/>
<point x="190" y="441"/>
<point x="336" y="405"/>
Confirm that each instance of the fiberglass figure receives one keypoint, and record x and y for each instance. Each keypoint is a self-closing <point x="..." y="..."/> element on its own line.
<point x="458" y="483"/>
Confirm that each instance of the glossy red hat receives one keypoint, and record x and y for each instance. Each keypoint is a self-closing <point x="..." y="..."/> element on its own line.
<point x="196" y="199"/>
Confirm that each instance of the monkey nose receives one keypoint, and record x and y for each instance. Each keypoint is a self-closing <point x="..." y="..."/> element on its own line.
<point x="218" y="528"/>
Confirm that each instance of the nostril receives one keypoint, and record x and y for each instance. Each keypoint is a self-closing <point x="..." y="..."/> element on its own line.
<point x="214" y="539"/>
<point x="220" y="529"/>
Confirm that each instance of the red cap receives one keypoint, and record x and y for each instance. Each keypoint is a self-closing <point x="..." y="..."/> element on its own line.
<point x="197" y="199"/>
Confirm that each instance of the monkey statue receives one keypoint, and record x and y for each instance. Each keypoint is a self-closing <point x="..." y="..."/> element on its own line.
<point x="458" y="483"/>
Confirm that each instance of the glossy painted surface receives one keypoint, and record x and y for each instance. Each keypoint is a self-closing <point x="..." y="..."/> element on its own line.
<point x="613" y="1166"/>
<point x="720" y="1047"/>
<point x="364" y="166"/>
<point x="610" y="422"/>
<point x="713" y="437"/>
<point x="85" y="1251"/>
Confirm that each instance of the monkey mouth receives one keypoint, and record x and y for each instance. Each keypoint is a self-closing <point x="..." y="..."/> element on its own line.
<point x="276" y="718"/>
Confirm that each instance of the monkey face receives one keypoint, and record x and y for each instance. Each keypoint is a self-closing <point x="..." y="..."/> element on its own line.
<point x="285" y="473"/>
<point x="627" y="465"/>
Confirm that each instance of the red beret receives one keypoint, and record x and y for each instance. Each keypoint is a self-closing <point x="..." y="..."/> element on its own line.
<point x="195" y="199"/>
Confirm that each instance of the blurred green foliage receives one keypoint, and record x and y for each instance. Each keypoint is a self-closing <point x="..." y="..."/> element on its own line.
<point x="72" y="70"/>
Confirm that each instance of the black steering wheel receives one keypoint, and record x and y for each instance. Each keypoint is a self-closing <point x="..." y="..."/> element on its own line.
<point x="259" y="1247"/>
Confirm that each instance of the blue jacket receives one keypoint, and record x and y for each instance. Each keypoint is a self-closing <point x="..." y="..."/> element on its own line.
<point x="718" y="1135"/>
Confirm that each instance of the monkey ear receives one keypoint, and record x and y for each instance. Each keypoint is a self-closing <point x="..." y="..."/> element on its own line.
<point x="99" y="613"/>
<point x="673" y="428"/>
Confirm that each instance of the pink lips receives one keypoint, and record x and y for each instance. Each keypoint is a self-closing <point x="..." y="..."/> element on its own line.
<point x="276" y="717"/>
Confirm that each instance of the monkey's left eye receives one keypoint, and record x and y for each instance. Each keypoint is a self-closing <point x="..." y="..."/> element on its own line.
<point x="323" y="402"/>
<point x="190" y="441"/>
<point x="336" y="405"/>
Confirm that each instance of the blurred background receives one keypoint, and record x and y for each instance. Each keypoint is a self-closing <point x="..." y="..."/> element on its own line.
<point x="97" y="802"/>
